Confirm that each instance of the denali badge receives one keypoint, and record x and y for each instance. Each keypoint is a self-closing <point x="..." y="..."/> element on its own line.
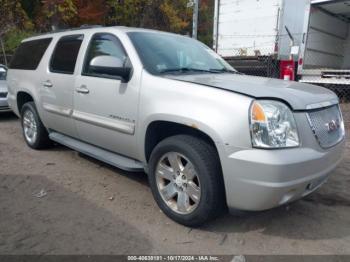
<point x="333" y="126"/>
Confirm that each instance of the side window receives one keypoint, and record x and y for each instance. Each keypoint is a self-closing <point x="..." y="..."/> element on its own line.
<point x="104" y="45"/>
<point x="65" y="54"/>
<point x="29" y="54"/>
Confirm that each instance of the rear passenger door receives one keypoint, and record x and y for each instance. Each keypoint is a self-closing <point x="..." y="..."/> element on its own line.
<point x="57" y="87"/>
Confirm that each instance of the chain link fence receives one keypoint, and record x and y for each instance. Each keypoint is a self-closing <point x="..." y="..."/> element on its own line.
<point x="5" y="60"/>
<point x="317" y="68"/>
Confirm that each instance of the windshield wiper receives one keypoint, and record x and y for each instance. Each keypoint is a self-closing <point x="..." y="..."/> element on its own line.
<point x="186" y="70"/>
<point x="224" y="70"/>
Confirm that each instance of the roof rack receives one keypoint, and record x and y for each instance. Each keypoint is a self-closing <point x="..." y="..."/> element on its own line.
<point x="76" y="28"/>
<point x="68" y="29"/>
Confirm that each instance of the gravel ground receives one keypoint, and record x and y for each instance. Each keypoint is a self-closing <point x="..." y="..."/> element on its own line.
<point x="60" y="202"/>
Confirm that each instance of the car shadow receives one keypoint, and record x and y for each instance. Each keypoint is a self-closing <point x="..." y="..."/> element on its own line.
<point x="140" y="177"/>
<point x="58" y="147"/>
<point x="8" y="116"/>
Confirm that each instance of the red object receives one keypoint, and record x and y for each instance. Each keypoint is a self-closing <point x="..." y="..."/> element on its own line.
<point x="287" y="69"/>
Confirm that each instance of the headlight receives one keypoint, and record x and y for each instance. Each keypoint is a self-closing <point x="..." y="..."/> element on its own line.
<point x="272" y="125"/>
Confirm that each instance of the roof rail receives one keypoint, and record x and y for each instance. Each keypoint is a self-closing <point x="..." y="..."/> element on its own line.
<point x="68" y="29"/>
<point x="89" y="26"/>
<point x="76" y="28"/>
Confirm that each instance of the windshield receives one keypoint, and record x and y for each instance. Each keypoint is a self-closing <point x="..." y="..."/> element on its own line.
<point x="163" y="53"/>
<point x="2" y="73"/>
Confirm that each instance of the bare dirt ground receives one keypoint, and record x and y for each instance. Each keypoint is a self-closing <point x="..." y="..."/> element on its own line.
<point x="92" y="208"/>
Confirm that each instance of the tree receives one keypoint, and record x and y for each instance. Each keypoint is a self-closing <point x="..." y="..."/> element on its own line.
<point x="14" y="25"/>
<point x="165" y="15"/>
<point x="57" y="13"/>
<point x="177" y="16"/>
<point x="126" y="12"/>
<point x="206" y="20"/>
<point x="13" y="38"/>
<point x="13" y="16"/>
<point x="90" y="12"/>
<point x="20" y="18"/>
<point x="30" y="7"/>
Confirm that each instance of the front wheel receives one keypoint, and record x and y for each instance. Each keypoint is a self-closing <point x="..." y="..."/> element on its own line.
<point x="186" y="180"/>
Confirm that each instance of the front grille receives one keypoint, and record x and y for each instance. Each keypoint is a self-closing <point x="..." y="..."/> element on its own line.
<point x="3" y="94"/>
<point x="327" y="125"/>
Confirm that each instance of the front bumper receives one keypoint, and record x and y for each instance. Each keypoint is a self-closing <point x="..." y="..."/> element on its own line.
<point x="257" y="179"/>
<point x="4" y="107"/>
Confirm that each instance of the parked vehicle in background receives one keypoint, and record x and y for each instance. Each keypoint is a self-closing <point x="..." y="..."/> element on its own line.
<point x="4" y="107"/>
<point x="208" y="136"/>
<point x="312" y="37"/>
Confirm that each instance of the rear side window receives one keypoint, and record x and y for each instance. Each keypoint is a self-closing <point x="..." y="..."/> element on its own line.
<point x="65" y="55"/>
<point x="29" y="54"/>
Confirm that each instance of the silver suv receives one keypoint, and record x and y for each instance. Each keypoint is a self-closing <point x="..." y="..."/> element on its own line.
<point x="207" y="136"/>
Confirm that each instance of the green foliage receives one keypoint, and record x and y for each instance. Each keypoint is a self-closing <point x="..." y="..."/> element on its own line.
<point x="13" y="38"/>
<point x="21" y="18"/>
<point x="30" y="7"/>
<point x="126" y="12"/>
<point x="165" y="15"/>
<point x="12" y="15"/>
<point x="206" y="22"/>
<point x="176" y="15"/>
<point x="58" y="12"/>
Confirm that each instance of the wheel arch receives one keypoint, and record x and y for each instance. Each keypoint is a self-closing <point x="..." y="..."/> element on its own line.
<point x="159" y="130"/>
<point x="23" y="97"/>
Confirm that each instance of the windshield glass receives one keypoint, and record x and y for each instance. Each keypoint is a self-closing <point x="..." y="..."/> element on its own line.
<point x="169" y="53"/>
<point x="2" y="73"/>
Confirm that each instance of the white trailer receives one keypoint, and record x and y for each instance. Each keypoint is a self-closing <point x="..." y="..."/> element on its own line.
<point x="325" y="53"/>
<point x="318" y="29"/>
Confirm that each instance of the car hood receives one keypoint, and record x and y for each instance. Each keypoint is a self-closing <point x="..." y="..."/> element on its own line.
<point x="298" y="95"/>
<point x="3" y="86"/>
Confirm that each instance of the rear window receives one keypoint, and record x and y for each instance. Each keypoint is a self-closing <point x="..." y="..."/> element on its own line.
<point x="29" y="54"/>
<point x="65" y="55"/>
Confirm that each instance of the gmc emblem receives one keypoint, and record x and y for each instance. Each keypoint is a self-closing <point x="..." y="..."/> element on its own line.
<point x="332" y="126"/>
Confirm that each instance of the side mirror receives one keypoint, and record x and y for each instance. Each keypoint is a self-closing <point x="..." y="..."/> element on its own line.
<point x="110" y="65"/>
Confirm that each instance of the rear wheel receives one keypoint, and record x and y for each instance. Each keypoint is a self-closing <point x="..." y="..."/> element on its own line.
<point x="34" y="132"/>
<point x="186" y="180"/>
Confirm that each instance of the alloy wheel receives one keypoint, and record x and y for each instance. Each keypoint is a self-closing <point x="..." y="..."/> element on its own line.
<point x="178" y="183"/>
<point x="30" y="127"/>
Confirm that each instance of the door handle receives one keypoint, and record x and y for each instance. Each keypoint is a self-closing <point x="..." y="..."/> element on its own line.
<point x="82" y="90"/>
<point x="47" y="84"/>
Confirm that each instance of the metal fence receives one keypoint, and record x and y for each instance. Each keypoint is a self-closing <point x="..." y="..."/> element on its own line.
<point x="4" y="60"/>
<point x="335" y="76"/>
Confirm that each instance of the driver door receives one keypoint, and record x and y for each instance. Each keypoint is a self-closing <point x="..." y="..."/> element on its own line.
<point x="105" y="106"/>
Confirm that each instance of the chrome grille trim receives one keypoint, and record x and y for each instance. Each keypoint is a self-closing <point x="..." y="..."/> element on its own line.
<point x="322" y="104"/>
<point x="319" y="120"/>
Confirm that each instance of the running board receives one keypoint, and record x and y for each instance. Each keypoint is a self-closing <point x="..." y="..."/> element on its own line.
<point x="108" y="157"/>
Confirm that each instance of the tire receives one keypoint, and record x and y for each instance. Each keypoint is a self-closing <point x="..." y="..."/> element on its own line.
<point x="206" y="166"/>
<point x="41" y="139"/>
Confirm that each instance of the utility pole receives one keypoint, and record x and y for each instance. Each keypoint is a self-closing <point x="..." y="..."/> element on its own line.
<point x="3" y="51"/>
<point x="195" y="19"/>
